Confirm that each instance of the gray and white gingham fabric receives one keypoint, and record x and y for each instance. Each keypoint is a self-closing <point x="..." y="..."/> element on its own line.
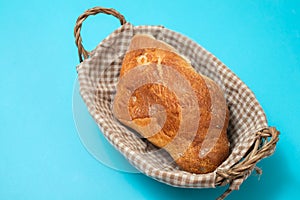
<point x="98" y="76"/>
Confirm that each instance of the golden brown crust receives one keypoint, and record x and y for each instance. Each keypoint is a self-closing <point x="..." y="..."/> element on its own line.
<point x="147" y="95"/>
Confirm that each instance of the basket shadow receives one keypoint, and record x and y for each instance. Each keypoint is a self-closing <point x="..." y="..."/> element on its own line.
<point x="254" y="187"/>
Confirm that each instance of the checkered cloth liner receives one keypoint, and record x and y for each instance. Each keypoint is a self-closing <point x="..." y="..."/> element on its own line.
<point x="98" y="76"/>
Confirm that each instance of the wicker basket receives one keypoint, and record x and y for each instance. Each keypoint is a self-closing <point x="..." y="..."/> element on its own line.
<point x="250" y="137"/>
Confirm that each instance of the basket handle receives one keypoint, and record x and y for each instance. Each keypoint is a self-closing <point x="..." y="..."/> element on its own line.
<point x="93" y="11"/>
<point x="264" y="146"/>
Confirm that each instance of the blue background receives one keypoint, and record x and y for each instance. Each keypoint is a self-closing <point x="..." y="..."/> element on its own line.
<point x="41" y="156"/>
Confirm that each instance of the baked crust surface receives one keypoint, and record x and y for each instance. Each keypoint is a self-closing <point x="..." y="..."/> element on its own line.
<point x="211" y="124"/>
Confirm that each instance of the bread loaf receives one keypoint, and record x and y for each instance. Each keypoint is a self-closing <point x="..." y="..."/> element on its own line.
<point x="165" y="100"/>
